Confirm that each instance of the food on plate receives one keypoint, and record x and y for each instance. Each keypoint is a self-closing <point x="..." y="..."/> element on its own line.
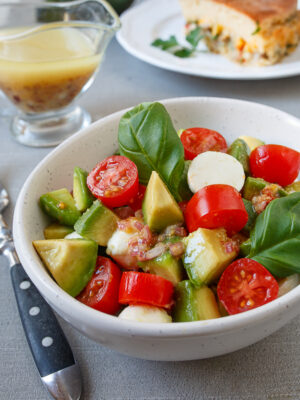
<point x="198" y="140"/>
<point x="194" y="304"/>
<point x="144" y="313"/>
<point x="246" y="284"/>
<point x="71" y="262"/>
<point x="142" y="288"/>
<point x="216" y="206"/>
<point x="159" y="207"/>
<point x="251" y="32"/>
<point x="97" y="223"/>
<point x="154" y="237"/>
<point x="212" y="167"/>
<point x="275" y="163"/>
<point x="208" y="252"/>
<point x="102" y="291"/>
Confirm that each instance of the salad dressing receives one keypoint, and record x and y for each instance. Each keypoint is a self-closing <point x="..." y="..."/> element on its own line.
<point x="46" y="69"/>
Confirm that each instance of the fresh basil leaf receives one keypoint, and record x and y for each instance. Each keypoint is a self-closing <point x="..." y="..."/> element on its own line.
<point x="172" y="46"/>
<point x="148" y="138"/>
<point x="194" y="36"/>
<point x="275" y="238"/>
<point x="258" y="29"/>
<point x="165" y="44"/>
<point x="183" y="52"/>
<point x="183" y="188"/>
<point x="252" y="215"/>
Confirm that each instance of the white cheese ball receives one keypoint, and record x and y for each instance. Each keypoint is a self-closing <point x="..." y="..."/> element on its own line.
<point x="213" y="167"/>
<point x="148" y="314"/>
<point x="73" y="235"/>
<point x="117" y="248"/>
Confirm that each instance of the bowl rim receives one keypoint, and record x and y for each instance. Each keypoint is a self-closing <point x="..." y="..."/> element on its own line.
<point x="71" y="309"/>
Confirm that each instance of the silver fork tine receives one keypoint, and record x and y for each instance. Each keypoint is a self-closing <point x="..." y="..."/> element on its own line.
<point x="4" y="199"/>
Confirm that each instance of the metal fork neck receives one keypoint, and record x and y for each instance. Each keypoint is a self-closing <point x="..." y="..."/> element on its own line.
<point x="6" y="244"/>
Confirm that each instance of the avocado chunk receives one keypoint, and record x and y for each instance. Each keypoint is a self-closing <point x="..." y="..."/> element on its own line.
<point x="206" y="255"/>
<point x="252" y="142"/>
<point x="82" y="196"/>
<point x="60" y="205"/>
<point x="71" y="262"/>
<point x="159" y="206"/>
<point x="166" y="266"/>
<point x="252" y="215"/>
<point x="57" y="231"/>
<point x="240" y="150"/>
<point x="293" y="187"/>
<point x="98" y="223"/>
<point x="253" y="187"/>
<point x="194" y="304"/>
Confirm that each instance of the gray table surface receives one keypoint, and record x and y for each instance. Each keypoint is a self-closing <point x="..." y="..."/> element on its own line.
<point x="269" y="369"/>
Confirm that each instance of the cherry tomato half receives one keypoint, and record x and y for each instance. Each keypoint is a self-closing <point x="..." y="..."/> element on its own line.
<point x="275" y="163"/>
<point x="143" y="288"/>
<point x="102" y="291"/>
<point x="246" y="284"/>
<point x="216" y="206"/>
<point x="199" y="140"/>
<point x="136" y="202"/>
<point x="114" y="181"/>
<point x="182" y="205"/>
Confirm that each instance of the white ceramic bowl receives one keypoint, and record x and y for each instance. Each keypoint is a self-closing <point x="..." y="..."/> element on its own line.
<point x="180" y="341"/>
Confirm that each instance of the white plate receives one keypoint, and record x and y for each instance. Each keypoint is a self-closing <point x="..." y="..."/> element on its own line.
<point x="180" y="341"/>
<point x="161" y="18"/>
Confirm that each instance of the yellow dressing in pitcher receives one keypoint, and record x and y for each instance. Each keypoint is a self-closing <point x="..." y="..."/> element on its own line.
<point x="45" y="70"/>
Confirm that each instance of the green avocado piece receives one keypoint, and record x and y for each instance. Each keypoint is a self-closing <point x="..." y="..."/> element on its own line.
<point x="194" y="304"/>
<point x="82" y="196"/>
<point x="60" y="205"/>
<point x="98" y="223"/>
<point x="293" y="187"/>
<point x="57" y="231"/>
<point x="184" y="309"/>
<point x="159" y="206"/>
<point x="253" y="187"/>
<point x="71" y="262"/>
<point x="252" y="142"/>
<point x="252" y="215"/>
<point x="205" y="257"/>
<point x="165" y="266"/>
<point x="240" y="150"/>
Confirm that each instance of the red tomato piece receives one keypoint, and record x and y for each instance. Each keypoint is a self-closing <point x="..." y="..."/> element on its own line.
<point x="136" y="202"/>
<point x="183" y="204"/>
<point x="246" y="284"/>
<point x="114" y="181"/>
<point x="275" y="163"/>
<point x="216" y="206"/>
<point x="143" y="288"/>
<point x="102" y="291"/>
<point x="199" y="140"/>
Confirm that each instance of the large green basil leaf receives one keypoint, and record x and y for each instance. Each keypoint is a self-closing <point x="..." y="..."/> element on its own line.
<point x="183" y="188"/>
<point x="275" y="238"/>
<point x="148" y="138"/>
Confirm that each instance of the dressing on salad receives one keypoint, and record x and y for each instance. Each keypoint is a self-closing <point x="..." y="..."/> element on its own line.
<point x="177" y="226"/>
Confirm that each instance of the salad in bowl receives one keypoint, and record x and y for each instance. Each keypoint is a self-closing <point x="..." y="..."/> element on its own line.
<point x="176" y="225"/>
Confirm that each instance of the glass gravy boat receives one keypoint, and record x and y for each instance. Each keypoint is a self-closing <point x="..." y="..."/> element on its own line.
<point x="49" y="55"/>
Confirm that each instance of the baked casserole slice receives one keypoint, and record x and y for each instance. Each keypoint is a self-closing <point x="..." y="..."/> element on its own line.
<point x="251" y="32"/>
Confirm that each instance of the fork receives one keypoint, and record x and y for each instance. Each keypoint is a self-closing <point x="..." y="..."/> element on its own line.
<point x="51" y="351"/>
